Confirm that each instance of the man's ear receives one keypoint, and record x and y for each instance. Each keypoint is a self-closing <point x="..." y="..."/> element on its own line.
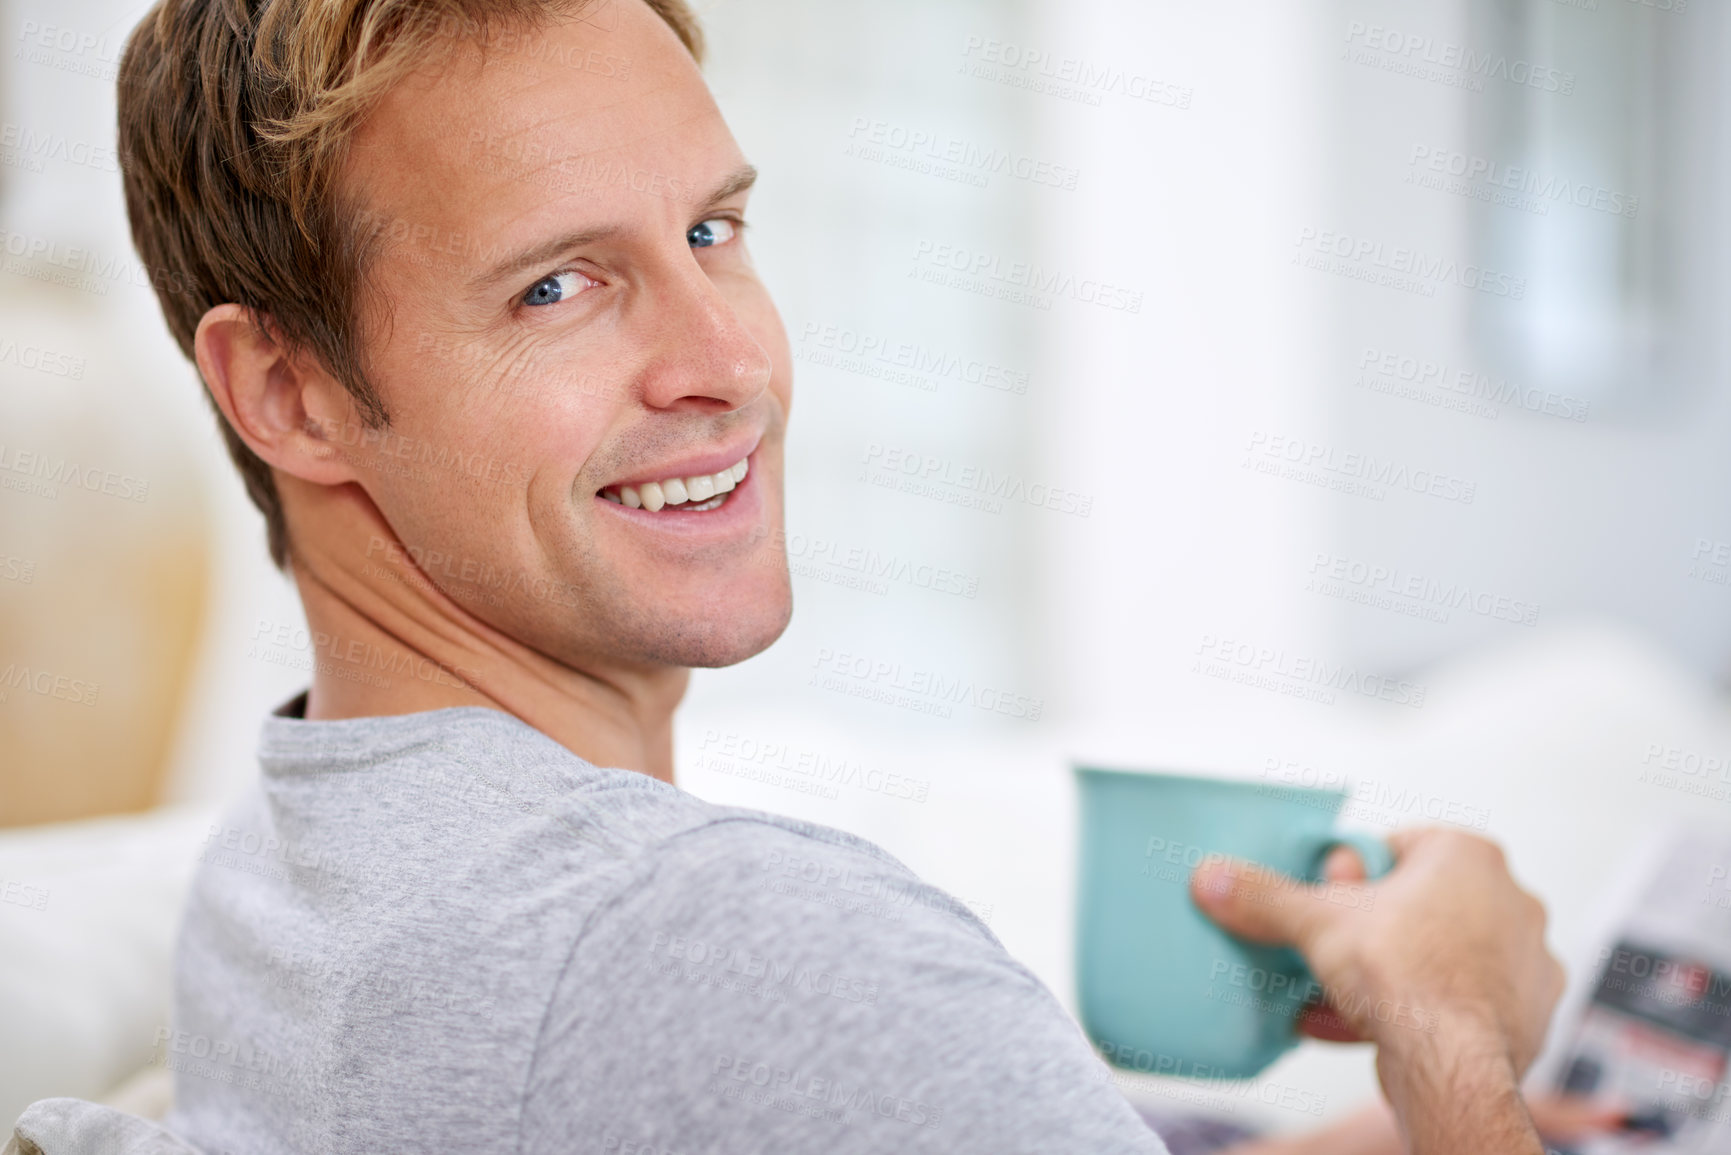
<point x="287" y="408"/>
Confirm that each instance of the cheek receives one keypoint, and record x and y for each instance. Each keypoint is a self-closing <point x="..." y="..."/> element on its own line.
<point x="548" y="420"/>
<point x="478" y="455"/>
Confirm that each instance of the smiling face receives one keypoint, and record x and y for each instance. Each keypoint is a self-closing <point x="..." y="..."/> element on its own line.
<point x="587" y="383"/>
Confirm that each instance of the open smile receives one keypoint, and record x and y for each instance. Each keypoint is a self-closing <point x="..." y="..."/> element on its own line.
<point x="696" y="494"/>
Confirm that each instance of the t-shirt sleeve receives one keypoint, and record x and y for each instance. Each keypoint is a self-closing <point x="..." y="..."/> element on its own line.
<point x="758" y="988"/>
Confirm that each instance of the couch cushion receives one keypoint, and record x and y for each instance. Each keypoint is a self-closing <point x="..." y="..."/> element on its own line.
<point x="76" y="1127"/>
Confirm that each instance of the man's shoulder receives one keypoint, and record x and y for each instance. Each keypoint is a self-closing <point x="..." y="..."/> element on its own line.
<point x="474" y="809"/>
<point x="752" y="913"/>
<point x="763" y="866"/>
<point x="761" y="983"/>
<point x="500" y="796"/>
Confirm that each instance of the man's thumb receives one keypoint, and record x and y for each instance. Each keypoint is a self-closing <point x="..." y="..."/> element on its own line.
<point x="1257" y="903"/>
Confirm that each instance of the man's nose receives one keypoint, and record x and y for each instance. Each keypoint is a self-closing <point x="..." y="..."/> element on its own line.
<point x="702" y="355"/>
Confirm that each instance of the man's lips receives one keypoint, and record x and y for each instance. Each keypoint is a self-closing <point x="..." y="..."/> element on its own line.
<point x="703" y="491"/>
<point x="722" y="516"/>
<point x="708" y="463"/>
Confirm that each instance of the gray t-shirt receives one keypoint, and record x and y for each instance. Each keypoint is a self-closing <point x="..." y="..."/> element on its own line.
<point x="443" y="932"/>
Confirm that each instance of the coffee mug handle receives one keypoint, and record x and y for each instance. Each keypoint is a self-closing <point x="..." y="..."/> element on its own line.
<point x="1372" y="851"/>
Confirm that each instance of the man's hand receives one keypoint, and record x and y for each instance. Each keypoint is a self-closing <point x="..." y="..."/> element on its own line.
<point x="1446" y="971"/>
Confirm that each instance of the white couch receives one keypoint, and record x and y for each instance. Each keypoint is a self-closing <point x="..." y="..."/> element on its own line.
<point x="88" y="913"/>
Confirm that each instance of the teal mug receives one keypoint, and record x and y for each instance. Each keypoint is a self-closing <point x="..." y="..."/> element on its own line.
<point x="1161" y="988"/>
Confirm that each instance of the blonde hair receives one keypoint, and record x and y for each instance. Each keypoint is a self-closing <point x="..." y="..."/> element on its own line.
<point x="235" y="117"/>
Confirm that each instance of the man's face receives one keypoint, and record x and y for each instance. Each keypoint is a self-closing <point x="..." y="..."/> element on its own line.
<point x="563" y="311"/>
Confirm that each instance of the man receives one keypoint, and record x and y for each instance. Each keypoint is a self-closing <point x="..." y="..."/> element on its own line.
<point x="467" y="281"/>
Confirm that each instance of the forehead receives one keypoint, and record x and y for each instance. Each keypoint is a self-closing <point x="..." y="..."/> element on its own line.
<point x="599" y="121"/>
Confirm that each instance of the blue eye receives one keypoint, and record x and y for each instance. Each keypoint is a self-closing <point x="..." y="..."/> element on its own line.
<point x="551" y="290"/>
<point x="715" y="231"/>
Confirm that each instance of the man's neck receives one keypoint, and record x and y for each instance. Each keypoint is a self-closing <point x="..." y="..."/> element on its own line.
<point x="388" y="641"/>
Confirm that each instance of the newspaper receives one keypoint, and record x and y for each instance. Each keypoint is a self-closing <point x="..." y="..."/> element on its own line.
<point x="1650" y="1031"/>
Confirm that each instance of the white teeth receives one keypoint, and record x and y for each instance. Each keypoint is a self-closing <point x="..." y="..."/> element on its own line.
<point x="704" y="491"/>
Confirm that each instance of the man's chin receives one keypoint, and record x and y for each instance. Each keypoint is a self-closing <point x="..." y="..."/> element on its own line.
<point x="731" y="646"/>
<point x="719" y="636"/>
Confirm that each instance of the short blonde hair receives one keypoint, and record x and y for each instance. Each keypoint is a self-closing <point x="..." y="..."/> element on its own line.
<point x="235" y="117"/>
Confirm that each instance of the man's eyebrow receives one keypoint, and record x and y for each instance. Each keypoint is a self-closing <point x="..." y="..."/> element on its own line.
<point x="533" y="258"/>
<point x="741" y="180"/>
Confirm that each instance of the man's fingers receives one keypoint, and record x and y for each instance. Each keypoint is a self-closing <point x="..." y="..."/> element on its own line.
<point x="1566" y="1118"/>
<point x="1343" y="865"/>
<point x="1256" y="903"/>
<point x="1324" y="1022"/>
<point x="1403" y="840"/>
